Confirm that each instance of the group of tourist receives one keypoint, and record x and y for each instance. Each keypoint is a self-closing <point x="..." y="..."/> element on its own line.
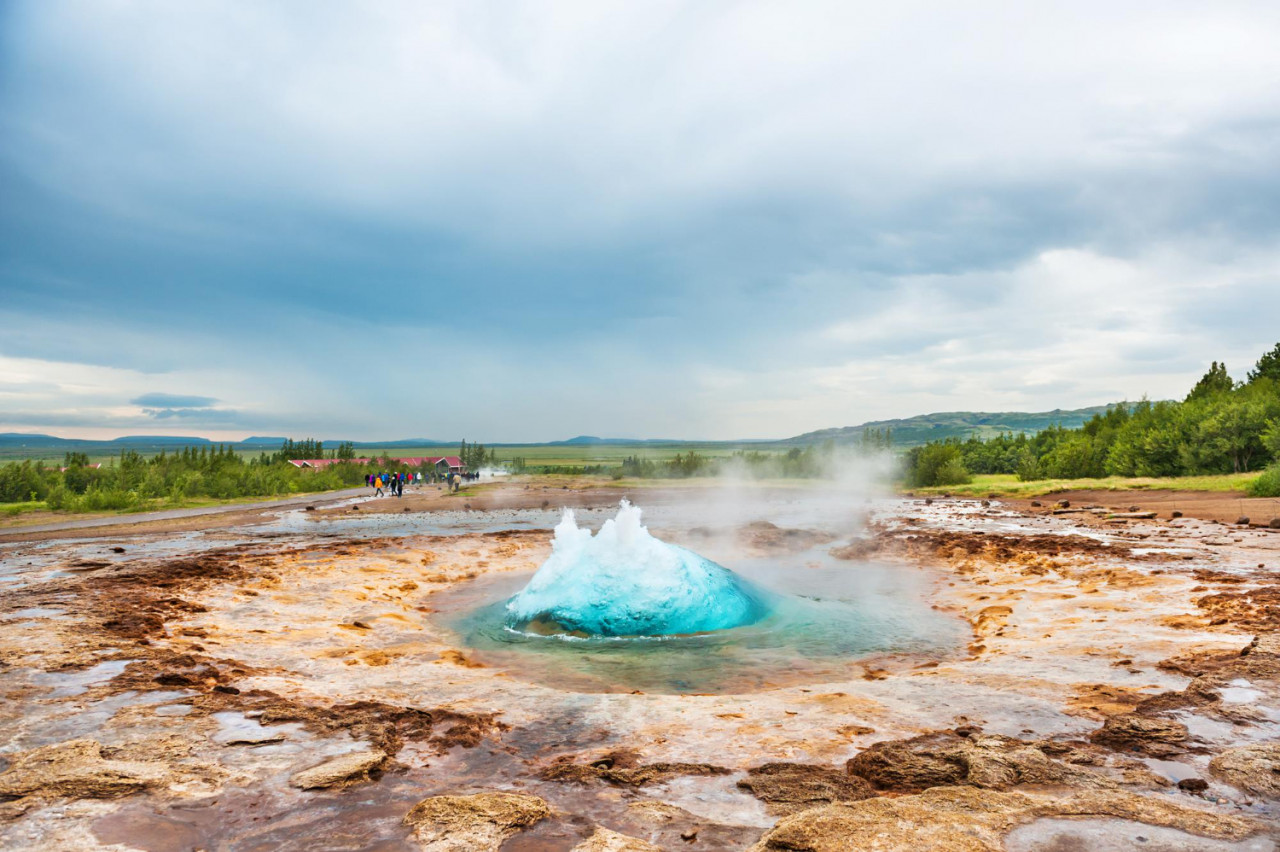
<point x="392" y="483"/>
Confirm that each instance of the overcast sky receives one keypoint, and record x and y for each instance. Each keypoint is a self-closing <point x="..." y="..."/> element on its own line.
<point x="525" y="221"/>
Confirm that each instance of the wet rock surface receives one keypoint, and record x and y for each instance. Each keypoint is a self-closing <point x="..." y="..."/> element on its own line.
<point x="264" y="690"/>
<point x="966" y="819"/>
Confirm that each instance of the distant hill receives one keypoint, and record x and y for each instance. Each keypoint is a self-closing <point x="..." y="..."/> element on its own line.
<point x="592" y="440"/>
<point x="22" y="439"/>
<point x="912" y="431"/>
<point x="263" y="440"/>
<point x="386" y="445"/>
<point x="907" y="432"/>
<point x="160" y="441"/>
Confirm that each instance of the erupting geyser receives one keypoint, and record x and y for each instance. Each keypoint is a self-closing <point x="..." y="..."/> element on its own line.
<point x="624" y="582"/>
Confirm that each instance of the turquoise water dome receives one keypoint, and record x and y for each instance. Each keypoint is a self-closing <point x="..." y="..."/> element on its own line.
<point x="624" y="582"/>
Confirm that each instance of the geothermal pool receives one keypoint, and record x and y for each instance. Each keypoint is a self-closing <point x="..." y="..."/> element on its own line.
<point x="622" y="610"/>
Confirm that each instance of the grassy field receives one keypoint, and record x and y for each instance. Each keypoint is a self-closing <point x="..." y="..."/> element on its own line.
<point x="1006" y="485"/>
<point x="14" y="515"/>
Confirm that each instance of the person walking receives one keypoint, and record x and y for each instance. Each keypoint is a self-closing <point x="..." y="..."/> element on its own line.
<point x="378" y="482"/>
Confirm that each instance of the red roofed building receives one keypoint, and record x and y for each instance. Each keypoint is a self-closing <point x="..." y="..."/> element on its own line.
<point x="320" y="464"/>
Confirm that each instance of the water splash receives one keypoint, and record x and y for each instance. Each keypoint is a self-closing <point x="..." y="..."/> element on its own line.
<point x="624" y="582"/>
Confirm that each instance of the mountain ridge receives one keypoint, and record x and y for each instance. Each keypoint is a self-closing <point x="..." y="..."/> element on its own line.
<point x="907" y="432"/>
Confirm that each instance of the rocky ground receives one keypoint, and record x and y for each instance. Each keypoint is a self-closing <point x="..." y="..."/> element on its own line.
<point x="294" y="684"/>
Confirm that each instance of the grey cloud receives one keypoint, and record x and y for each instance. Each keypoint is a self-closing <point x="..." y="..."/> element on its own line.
<point x="561" y="211"/>
<point x="172" y="401"/>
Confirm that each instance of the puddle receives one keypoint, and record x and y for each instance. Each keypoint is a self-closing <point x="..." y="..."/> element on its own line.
<point x="236" y="729"/>
<point x="1239" y="691"/>
<point x="34" y="612"/>
<point x="67" y="684"/>
<point x="1116" y="835"/>
<point x="1174" y="770"/>
<point x="715" y="799"/>
<point x="364" y="819"/>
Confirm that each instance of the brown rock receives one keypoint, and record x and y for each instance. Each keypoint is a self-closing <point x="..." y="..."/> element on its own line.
<point x="1146" y="734"/>
<point x="655" y="813"/>
<point x="788" y="788"/>
<point x="979" y="760"/>
<point x="475" y="823"/>
<point x="604" y="840"/>
<point x="624" y="772"/>
<point x="77" y="769"/>
<point x="1254" y="769"/>
<point x="1242" y="521"/>
<point x="341" y="771"/>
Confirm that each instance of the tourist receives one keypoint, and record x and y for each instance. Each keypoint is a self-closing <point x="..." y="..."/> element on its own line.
<point x="378" y="481"/>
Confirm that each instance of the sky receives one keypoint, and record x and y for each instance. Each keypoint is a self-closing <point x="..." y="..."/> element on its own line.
<point x="510" y="221"/>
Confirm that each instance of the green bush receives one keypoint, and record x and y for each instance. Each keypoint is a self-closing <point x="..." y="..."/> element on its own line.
<point x="1029" y="468"/>
<point x="106" y="499"/>
<point x="1268" y="484"/>
<point x="936" y="464"/>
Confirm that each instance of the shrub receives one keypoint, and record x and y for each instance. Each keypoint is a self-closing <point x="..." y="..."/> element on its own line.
<point x="1029" y="468"/>
<point x="1268" y="484"/>
<point x="936" y="464"/>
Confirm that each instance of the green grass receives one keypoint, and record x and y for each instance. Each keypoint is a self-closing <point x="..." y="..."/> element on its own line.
<point x="1007" y="485"/>
<point x="11" y="512"/>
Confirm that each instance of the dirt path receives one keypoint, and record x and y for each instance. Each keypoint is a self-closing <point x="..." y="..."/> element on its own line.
<point x="205" y="517"/>
<point x="1226" y="506"/>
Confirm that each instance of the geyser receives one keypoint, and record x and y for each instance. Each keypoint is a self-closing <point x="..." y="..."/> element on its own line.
<point x="624" y="582"/>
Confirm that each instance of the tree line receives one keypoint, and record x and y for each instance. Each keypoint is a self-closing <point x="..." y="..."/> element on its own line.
<point x="131" y="481"/>
<point x="1221" y="426"/>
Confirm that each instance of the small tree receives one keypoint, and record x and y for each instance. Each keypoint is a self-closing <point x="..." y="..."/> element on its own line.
<point x="936" y="464"/>
<point x="1212" y="383"/>
<point x="1268" y="367"/>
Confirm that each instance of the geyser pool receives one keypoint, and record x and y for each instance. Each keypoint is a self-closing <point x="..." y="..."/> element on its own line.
<point x="591" y="620"/>
<point x="624" y="582"/>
